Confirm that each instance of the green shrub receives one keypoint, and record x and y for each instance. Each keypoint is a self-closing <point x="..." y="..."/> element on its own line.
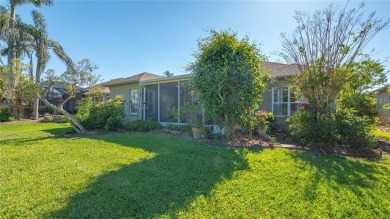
<point x="180" y="128"/>
<point x="355" y="132"/>
<point x="312" y="131"/>
<point x="45" y="110"/>
<point x="99" y="116"/>
<point x="84" y="114"/>
<point x="5" y="115"/>
<point x="48" y="119"/>
<point x="346" y="129"/>
<point x="114" y="111"/>
<point x="59" y="119"/>
<point x="143" y="125"/>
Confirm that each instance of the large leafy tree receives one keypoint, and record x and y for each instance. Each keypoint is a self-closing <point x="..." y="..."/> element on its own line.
<point x="22" y="94"/>
<point x="354" y="95"/>
<point x="228" y="78"/>
<point x="82" y="75"/>
<point x="324" y="47"/>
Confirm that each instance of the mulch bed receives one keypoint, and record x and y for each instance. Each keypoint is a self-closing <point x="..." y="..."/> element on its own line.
<point x="282" y="141"/>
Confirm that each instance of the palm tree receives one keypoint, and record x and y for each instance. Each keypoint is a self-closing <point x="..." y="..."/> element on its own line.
<point x="41" y="45"/>
<point x="33" y="39"/>
<point x="9" y="31"/>
<point x="13" y="22"/>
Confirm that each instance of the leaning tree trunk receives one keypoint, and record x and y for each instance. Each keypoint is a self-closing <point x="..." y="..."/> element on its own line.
<point x="75" y="124"/>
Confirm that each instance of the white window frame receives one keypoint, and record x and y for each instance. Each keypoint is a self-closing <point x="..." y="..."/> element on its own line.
<point x="136" y="101"/>
<point x="288" y="101"/>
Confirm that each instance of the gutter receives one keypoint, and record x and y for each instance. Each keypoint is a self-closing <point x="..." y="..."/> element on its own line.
<point x="166" y="79"/>
<point x="108" y="84"/>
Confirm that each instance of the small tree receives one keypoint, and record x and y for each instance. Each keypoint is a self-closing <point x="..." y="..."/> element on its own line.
<point x="83" y="75"/>
<point x="229" y="79"/>
<point x="324" y="47"/>
<point x="22" y="94"/>
<point x="354" y="95"/>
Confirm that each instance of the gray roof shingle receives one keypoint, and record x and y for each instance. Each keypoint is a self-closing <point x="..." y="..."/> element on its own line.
<point x="134" y="78"/>
<point x="279" y="70"/>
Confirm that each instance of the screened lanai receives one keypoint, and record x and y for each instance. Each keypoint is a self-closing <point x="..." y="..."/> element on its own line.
<point x="163" y="98"/>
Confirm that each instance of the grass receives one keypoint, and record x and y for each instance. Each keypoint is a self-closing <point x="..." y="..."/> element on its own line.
<point x="151" y="175"/>
<point x="379" y="133"/>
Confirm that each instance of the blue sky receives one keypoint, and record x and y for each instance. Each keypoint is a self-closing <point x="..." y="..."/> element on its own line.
<point x="129" y="37"/>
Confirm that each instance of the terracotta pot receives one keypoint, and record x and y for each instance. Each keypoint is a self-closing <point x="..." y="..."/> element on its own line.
<point x="196" y="132"/>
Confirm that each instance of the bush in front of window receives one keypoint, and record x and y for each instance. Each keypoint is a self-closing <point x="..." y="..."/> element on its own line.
<point x="98" y="116"/>
<point x="143" y="125"/>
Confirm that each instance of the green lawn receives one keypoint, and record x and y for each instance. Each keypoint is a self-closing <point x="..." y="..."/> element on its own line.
<point x="154" y="175"/>
<point x="381" y="134"/>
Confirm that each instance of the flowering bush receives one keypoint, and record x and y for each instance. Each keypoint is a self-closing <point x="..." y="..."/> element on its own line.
<point x="263" y="117"/>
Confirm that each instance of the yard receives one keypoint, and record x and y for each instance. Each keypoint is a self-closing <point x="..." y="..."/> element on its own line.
<point x="43" y="174"/>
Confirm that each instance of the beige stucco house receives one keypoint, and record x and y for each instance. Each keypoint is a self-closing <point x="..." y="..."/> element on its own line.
<point x="153" y="97"/>
<point x="382" y="97"/>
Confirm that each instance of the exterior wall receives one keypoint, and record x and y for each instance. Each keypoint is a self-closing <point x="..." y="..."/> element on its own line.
<point x="382" y="99"/>
<point x="124" y="90"/>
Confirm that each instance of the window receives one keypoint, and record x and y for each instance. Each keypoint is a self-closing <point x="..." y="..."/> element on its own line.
<point x="94" y="99"/>
<point x="285" y="101"/>
<point x="134" y="101"/>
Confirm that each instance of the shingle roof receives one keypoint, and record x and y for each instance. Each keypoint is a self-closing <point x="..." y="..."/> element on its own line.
<point x="134" y="78"/>
<point x="380" y="89"/>
<point x="57" y="85"/>
<point x="279" y="70"/>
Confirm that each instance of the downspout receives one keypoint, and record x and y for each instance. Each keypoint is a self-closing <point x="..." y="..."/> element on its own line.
<point x="142" y="105"/>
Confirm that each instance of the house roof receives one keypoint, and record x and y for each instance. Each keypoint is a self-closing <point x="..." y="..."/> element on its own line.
<point x="384" y="88"/>
<point x="167" y="79"/>
<point x="279" y="70"/>
<point x="134" y="78"/>
<point x="58" y="86"/>
<point x="98" y="88"/>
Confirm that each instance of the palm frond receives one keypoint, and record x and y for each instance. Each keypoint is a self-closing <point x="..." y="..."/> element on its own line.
<point x="60" y="52"/>
<point x="39" y="21"/>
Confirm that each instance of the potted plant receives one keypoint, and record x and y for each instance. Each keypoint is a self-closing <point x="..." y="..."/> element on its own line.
<point x="194" y="114"/>
<point x="263" y="118"/>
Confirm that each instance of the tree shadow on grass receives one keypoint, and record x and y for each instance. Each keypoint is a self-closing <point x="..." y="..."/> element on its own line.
<point x="59" y="132"/>
<point x="352" y="175"/>
<point x="52" y="133"/>
<point x="181" y="171"/>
